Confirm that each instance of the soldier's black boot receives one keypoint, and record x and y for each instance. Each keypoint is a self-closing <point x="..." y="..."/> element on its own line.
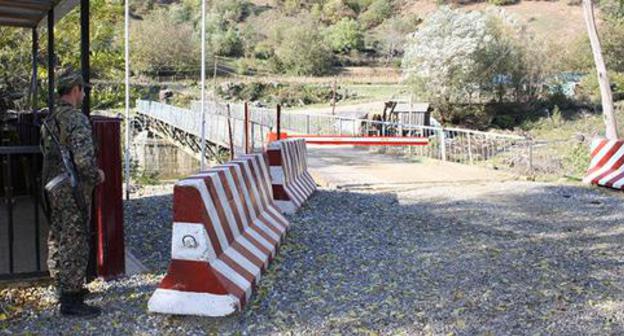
<point x="84" y="293"/>
<point x="72" y="304"/>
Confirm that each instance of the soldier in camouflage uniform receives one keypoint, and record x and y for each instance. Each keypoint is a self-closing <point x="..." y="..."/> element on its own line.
<point x="68" y="246"/>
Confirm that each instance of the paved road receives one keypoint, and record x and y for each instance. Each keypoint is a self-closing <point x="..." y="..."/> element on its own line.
<point x="356" y="168"/>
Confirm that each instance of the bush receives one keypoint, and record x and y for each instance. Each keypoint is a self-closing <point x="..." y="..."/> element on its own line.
<point x="577" y="159"/>
<point x="226" y="43"/>
<point x="299" y="49"/>
<point x="335" y="10"/>
<point x="589" y="89"/>
<point x="358" y="6"/>
<point x="159" y="44"/>
<point x="612" y="42"/>
<point x="612" y="8"/>
<point x="345" y="36"/>
<point x="503" y="2"/>
<point x="285" y="94"/>
<point x="377" y="12"/>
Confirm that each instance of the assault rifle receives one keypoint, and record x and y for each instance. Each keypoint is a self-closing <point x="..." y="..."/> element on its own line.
<point x="70" y="173"/>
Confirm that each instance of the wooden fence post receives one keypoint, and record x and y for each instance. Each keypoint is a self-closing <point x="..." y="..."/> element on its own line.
<point x="278" y="121"/>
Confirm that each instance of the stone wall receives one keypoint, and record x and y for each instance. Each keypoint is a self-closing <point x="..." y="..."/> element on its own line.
<point x="159" y="158"/>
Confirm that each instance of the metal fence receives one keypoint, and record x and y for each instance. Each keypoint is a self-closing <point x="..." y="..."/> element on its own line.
<point x="506" y="151"/>
<point x="448" y="144"/>
<point x="217" y="127"/>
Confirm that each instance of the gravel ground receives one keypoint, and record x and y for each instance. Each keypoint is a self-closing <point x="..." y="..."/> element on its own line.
<point x="473" y="259"/>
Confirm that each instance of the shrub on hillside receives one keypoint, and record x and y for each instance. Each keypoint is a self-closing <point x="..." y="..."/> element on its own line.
<point x="503" y="2"/>
<point x="612" y="40"/>
<point x="335" y="10"/>
<point x="299" y="48"/>
<point x="589" y="89"/>
<point x="226" y="42"/>
<point x="344" y="36"/>
<point x="284" y="94"/>
<point x="358" y="6"/>
<point x="376" y="13"/>
<point x="158" y="44"/>
<point x="612" y="8"/>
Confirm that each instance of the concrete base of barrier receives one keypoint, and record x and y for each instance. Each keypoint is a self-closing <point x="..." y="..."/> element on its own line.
<point x="183" y="301"/>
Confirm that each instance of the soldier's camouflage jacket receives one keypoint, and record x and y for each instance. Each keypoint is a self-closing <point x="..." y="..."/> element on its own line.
<point x="74" y="132"/>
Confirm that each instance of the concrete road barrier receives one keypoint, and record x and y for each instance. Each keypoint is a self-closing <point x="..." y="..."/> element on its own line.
<point x="607" y="163"/>
<point x="226" y="230"/>
<point x="292" y="183"/>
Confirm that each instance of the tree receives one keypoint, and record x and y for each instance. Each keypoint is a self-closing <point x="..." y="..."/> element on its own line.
<point x="345" y="36"/>
<point x="458" y="57"/>
<point x="390" y="37"/>
<point x="299" y="48"/>
<point x="160" y="44"/>
<point x="106" y="56"/>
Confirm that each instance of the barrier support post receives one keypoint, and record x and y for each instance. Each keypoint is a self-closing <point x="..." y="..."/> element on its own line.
<point x="442" y="145"/>
<point x="469" y="148"/>
<point x="246" y="125"/>
<point x="278" y="121"/>
<point x="230" y="135"/>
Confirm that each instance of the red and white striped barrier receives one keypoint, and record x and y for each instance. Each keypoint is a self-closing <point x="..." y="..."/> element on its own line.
<point x="607" y="163"/>
<point x="292" y="184"/>
<point x="226" y="229"/>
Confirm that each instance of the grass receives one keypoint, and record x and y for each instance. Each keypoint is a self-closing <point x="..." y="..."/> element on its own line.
<point x="376" y="91"/>
<point x="587" y="124"/>
<point x="561" y="148"/>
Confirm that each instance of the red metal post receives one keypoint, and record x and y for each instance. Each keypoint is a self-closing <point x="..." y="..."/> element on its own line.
<point x="246" y="123"/>
<point x="107" y="218"/>
<point x="230" y="136"/>
<point x="279" y="120"/>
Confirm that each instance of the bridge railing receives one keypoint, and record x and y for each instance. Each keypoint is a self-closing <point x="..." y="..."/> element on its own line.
<point x="450" y="144"/>
<point x="216" y="130"/>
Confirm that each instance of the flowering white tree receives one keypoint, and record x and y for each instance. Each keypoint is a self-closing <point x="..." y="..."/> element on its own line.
<point x="459" y="57"/>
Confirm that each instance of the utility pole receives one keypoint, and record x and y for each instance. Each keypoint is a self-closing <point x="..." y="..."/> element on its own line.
<point x="203" y="88"/>
<point x="127" y="95"/>
<point x="603" y="78"/>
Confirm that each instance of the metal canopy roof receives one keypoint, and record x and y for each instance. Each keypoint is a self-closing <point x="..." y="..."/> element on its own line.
<point x="32" y="13"/>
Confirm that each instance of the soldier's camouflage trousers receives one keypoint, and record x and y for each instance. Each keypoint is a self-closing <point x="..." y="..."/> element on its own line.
<point x="68" y="246"/>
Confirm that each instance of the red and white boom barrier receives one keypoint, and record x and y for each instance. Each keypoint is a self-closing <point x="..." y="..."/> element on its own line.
<point x="226" y="229"/>
<point x="355" y="140"/>
<point x="292" y="184"/>
<point x="607" y="163"/>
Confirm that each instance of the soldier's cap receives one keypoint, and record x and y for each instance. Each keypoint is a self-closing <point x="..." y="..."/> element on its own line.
<point x="69" y="78"/>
